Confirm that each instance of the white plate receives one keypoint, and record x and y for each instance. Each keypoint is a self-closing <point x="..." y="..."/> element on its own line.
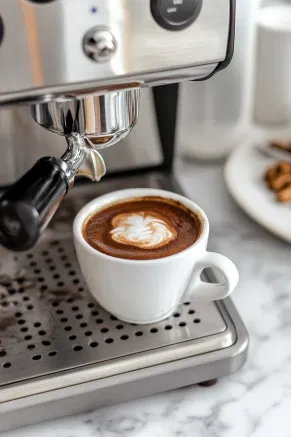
<point x="244" y="172"/>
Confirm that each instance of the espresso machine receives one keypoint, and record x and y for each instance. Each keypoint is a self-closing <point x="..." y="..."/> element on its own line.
<point x="75" y="77"/>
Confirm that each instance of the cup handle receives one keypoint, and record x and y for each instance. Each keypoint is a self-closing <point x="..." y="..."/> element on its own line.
<point x="199" y="290"/>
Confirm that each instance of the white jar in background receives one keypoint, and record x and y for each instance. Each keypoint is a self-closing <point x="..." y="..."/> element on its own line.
<point x="273" y="65"/>
<point x="215" y="114"/>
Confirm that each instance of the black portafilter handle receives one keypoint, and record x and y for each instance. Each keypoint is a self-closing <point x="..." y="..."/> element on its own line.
<point x="28" y="205"/>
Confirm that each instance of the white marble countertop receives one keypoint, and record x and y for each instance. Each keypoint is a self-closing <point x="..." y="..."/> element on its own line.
<point x="254" y="402"/>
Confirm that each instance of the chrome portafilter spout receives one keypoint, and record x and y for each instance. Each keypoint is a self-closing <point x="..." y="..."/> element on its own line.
<point x="88" y="123"/>
<point x="81" y="159"/>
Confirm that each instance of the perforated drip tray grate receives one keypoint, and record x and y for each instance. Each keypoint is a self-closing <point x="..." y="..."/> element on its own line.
<point x="50" y="322"/>
<point x="50" y="325"/>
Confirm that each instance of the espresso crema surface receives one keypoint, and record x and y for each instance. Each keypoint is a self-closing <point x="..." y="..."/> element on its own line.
<point x="142" y="228"/>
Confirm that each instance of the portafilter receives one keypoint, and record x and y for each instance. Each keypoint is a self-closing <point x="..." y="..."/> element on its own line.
<point x="89" y="123"/>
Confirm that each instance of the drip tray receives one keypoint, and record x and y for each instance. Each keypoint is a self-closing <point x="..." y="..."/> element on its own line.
<point x="57" y="343"/>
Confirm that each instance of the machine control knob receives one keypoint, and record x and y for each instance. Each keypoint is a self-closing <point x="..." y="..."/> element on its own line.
<point x="175" y="14"/>
<point x="99" y="44"/>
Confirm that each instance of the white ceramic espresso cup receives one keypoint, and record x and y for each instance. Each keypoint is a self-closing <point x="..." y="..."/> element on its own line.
<point x="147" y="291"/>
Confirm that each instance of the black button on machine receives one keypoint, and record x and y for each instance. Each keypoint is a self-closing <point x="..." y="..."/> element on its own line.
<point x="175" y="14"/>
<point x="1" y="30"/>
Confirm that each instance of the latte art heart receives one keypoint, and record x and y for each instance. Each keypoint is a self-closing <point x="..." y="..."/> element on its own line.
<point x="141" y="230"/>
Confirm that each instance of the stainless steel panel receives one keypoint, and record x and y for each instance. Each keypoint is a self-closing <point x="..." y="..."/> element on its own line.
<point x="42" y="47"/>
<point x="8" y="170"/>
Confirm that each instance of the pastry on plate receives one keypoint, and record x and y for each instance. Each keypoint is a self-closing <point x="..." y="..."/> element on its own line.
<point x="278" y="178"/>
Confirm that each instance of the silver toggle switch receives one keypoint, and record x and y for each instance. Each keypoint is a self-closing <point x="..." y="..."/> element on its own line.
<point x="99" y="44"/>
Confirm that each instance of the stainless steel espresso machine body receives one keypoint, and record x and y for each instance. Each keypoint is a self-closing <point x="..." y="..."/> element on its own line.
<point x="59" y="47"/>
<point x="72" y="74"/>
<point x="81" y="67"/>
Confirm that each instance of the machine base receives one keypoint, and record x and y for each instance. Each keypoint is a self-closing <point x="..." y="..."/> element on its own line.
<point x="61" y="354"/>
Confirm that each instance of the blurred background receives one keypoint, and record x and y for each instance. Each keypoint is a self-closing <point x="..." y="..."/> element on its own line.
<point x="253" y="93"/>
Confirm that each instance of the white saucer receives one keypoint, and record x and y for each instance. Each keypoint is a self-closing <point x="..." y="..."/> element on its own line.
<point x="243" y="174"/>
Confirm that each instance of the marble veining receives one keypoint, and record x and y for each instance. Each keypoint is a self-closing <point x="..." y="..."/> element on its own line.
<point x="254" y="402"/>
